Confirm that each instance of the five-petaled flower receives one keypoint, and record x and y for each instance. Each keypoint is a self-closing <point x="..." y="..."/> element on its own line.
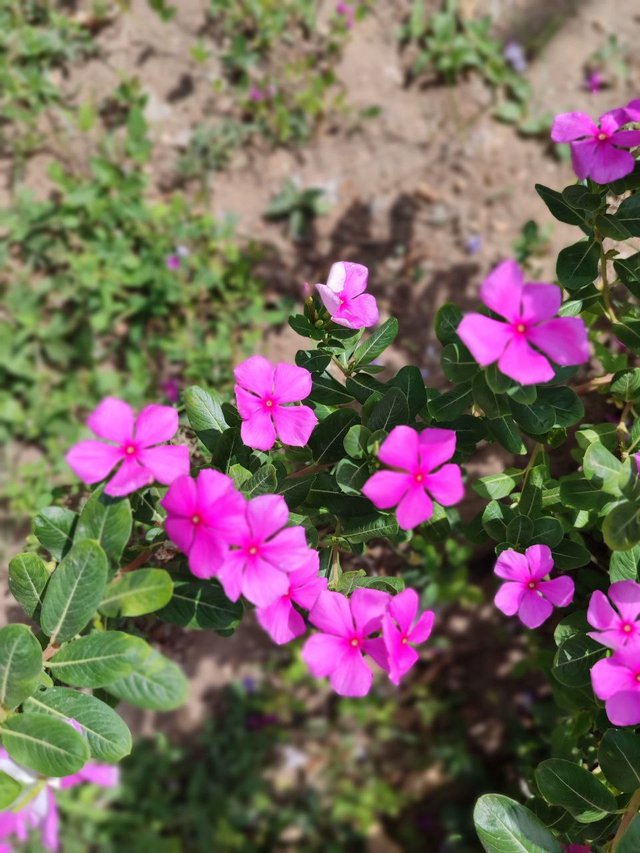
<point x="401" y="631"/>
<point x="281" y="620"/>
<point x="597" y="149"/>
<point x="344" y="296"/>
<point x="40" y="810"/>
<point x="530" y="311"/>
<point x="525" y="591"/>
<point x="262" y="390"/>
<point x="415" y="456"/>
<point x="199" y="513"/>
<point x="616" y="680"/>
<point x="263" y="552"/>
<point x="620" y="626"/>
<point x="132" y="448"/>
<point x="346" y="627"/>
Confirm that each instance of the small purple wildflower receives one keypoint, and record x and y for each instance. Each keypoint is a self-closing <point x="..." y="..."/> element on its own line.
<point x="171" y="389"/>
<point x="256" y="94"/>
<point x="348" y="12"/>
<point x="473" y="244"/>
<point x="173" y="262"/>
<point x="594" y="81"/>
<point x="515" y="55"/>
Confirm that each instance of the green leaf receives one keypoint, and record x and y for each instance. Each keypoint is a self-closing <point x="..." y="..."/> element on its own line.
<point x="546" y="531"/>
<point x="9" y="791"/>
<point x="628" y="271"/>
<point x="558" y="207"/>
<point x="519" y="531"/>
<point x="390" y="411"/>
<point x="157" y="684"/>
<point x="578" y="196"/>
<point x="74" y="591"/>
<point x="28" y="577"/>
<point x="628" y="214"/>
<point x="327" y="439"/>
<point x="626" y="384"/>
<point x="535" y="419"/>
<point x="630" y="841"/>
<point x="48" y="746"/>
<point x="97" y="659"/>
<point x="447" y="321"/>
<point x="506" y="432"/>
<point x="107" y="734"/>
<point x="623" y="565"/>
<point x="108" y="521"/>
<point x="409" y="380"/>
<point x="199" y="604"/>
<point x="362" y="386"/>
<point x="574" y="659"/>
<point x="458" y="364"/>
<point x="495" y="518"/>
<point x="602" y="468"/>
<point x="492" y="404"/>
<point x="376" y="343"/>
<point x="580" y="493"/>
<point x="452" y="404"/>
<point x="329" y="392"/>
<point x="364" y="528"/>
<point x="565" y="402"/>
<point x="54" y="527"/>
<point x="619" y="758"/>
<point x="355" y="441"/>
<point x="350" y="476"/>
<point x="263" y="482"/>
<point x="621" y="526"/>
<point x="568" y="554"/>
<point x="563" y="783"/>
<point x="577" y="265"/>
<point x="137" y="593"/>
<point x="315" y="361"/>
<point x="204" y="411"/>
<point x="497" y="486"/>
<point x="504" y="826"/>
<point x="627" y="330"/>
<point x="610" y="226"/>
<point x="20" y="665"/>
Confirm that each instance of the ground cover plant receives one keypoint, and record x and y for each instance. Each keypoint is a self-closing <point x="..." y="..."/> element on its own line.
<point x="290" y="483"/>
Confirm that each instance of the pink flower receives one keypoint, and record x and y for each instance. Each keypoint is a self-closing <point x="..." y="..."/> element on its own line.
<point x="281" y="620"/>
<point x="348" y="12"/>
<point x="132" y="448"/>
<point x="414" y="482"/>
<point x="173" y="262"/>
<point x="619" y="628"/>
<point x="616" y="680"/>
<point x="264" y="552"/>
<point x="596" y="149"/>
<point x="525" y="593"/>
<point x="344" y="298"/>
<point x="40" y="811"/>
<point x="401" y="631"/>
<point x="256" y="94"/>
<point x="200" y="513"/>
<point x="346" y="626"/>
<point x="594" y="81"/>
<point x="577" y="848"/>
<point x="171" y="389"/>
<point x="262" y="390"/>
<point x="529" y="309"/>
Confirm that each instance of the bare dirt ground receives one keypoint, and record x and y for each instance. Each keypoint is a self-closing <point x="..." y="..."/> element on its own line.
<point x="408" y="188"/>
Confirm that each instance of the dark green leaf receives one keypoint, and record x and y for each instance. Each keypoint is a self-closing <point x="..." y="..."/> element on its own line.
<point x="577" y="265"/>
<point x="504" y="826"/>
<point x="200" y="604"/>
<point x="452" y="404"/>
<point x="409" y="380"/>
<point x="376" y="343"/>
<point x="28" y="577"/>
<point x="574" y="659"/>
<point x="566" y="784"/>
<point x="390" y="411"/>
<point x="327" y="439"/>
<point x="54" y="526"/>
<point x="628" y="214"/>
<point x="621" y="526"/>
<point x="108" y="521"/>
<point x="568" y="554"/>
<point x="263" y="482"/>
<point x="558" y="207"/>
<point x="619" y="758"/>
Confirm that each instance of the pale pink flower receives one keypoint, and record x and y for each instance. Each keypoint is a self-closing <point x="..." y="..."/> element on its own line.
<point x="256" y="94"/>
<point x="348" y="12"/>
<point x="41" y="811"/>
<point x="263" y="552"/>
<point x="525" y="592"/>
<point x="616" y="680"/>
<point x="262" y="390"/>
<point x="596" y="149"/>
<point x="344" y="296"/>
<point x="401" y="632"/>
<point x="530" y="311"/>
<point x="200" y="512"/>
<point x="346" y="626"/>
<point x="620" y="626"/>
<point x="131" y="447"/>
<point x="281" y="620"/>
<point x="413" y="483"/>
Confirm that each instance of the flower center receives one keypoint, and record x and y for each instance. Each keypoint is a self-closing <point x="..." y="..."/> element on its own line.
<point x="195" y="519"/>
<point x="129" y="449"/>
<point x="521" y="328"/>
<point x="602" y="136"/>
<point x="252" y="550"/>
<point x="627" y="628"/>
<point x="532" y="585"/>
<point x="638" y="677"/>
<point x="404" y="641"/>
<point x="419" y="478"/>
<point x="341" y="301"/>
<point x="355" y="642"/>
<point x="268" y="404"/>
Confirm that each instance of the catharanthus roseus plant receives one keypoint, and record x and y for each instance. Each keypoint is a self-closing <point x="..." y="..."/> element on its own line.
<point x="283" y="492"/>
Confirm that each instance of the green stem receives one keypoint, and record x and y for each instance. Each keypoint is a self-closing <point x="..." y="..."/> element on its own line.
<point x="630" y="813"/>
<point x="606" y="288"/>
<point x="532" y="461"/>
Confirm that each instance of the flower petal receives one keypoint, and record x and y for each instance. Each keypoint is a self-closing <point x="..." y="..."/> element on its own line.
<point x="484" y="337"/>
<point x="262" y="583"/>
<point x="436" y="446"/>
<point x="207" y="554"/>
<point x="540" y="302"/>
<point x="611" y="164"/>
<point x="355" y="278"/>
<point x="623" y="709"/>
<point x="534" y="609"/>
<point x="156" y="424"/>
<point x="367" y="607"/>
<point x="328" y="297"/>
<point x="522" y="363"/>
<point x="540" y="561"/>
<point x="281" y="621"/>
<point x="626" y="138"/>
<point x="305" y="588"/>
<point x="582" y="156"/>
<point x="248" y="404"/>
<point x="352" y="676"/>
<point x="266" y="514"/>
<point x="559" y="591"/>
<point x="181" y="532"/>
<point x="230" y="574"/>
<point x="337" y="277"/>
<point x="360" y="313"/>
<point x="321" y="652"/>
<point x="294" y="424"/>
<point x="569" y="126"/>
<point x="609" y="676"/>
<point x="112" y="419"/>
<point x="255" y="374"/>
<point x="291" y="383"/>
<point x="181" y="498"/>
<point x="91" y="460"/>
<point x="258" y="431"/>
<point x="508" y="597"/>
<point x="445" y="485"/>
<point x="166" y="463"/>
<point x="513" y="566"/>
<point x="400" y="448"/>
<point x="331" y="613"/>
<point x="404" y="607"/>
<point x="502" y="290"/>
<point x="564" y="340"/>
<point x="128" y="478"/>
<point x="601" y="614"/>
<point x="386" y="488"/>
<point x="288" y="550"/>
<point x="626" y="597"/>
<point x="414" y="508"/>
<point x="421" y="631"/>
